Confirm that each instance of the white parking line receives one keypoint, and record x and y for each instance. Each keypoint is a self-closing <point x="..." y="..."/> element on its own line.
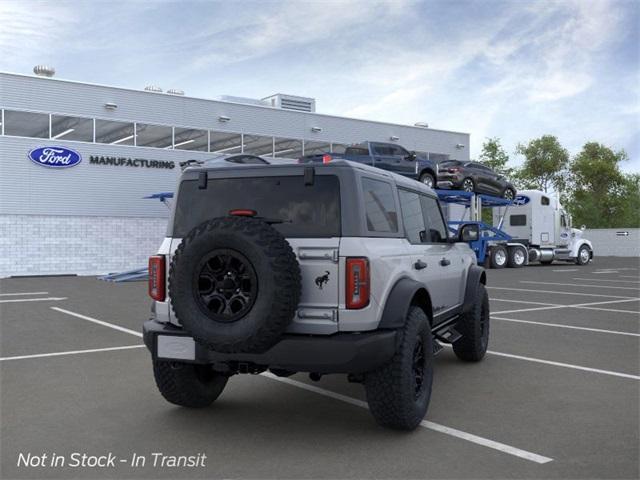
<point x="565" y="365"/>
<point x="559" y="293"/>
<point x="19" y="300"/>
<point x="586" y="306"/>
<point x="525" y="301"/>
<point x="485" y="442"/>
<point x="71" y="352"/>
<point x="567" y="270"/>
<point x="99" y="322"/>
<point x="604" y="280"/>
<point x="628" y="276"/>
<point x="597" y="330"/>
<point x="23" y="293"/>
<point x="581" y="285"/>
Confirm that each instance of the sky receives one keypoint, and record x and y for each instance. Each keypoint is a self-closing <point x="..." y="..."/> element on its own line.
<point x="509" y="69"/>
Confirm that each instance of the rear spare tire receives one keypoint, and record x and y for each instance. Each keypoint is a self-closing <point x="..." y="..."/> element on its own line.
<point x="234" y="284"/>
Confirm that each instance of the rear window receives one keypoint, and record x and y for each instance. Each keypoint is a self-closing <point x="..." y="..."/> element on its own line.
<point x="306" y="210"/>
<point x="450" y="163"/>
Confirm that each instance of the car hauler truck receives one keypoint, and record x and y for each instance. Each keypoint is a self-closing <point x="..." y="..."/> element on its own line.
<point x="532" y="228"/>
<point x="538" y="221"/>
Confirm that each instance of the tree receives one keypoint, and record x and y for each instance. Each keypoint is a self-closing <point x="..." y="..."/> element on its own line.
<point x="545" y="164"/>
<point x="495" y="157"/>
<point x="600" y="195"/>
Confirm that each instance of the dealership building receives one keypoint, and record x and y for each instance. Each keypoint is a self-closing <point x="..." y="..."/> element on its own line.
<point x="77" y="160"/>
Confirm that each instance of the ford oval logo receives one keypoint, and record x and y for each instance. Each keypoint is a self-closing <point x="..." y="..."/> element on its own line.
<point x="55" y="157"/>
<point x="521" y="200"/>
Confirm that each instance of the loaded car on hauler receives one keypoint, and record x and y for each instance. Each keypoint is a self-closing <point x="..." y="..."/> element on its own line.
<point x="328" y="268"/>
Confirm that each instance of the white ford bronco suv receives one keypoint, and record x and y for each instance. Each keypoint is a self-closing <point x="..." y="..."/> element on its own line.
<point x="329" y="268"/>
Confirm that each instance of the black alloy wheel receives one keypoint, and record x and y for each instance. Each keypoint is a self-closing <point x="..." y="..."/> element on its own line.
<point x="226" y="285"/>
<point x="419" y="364"/>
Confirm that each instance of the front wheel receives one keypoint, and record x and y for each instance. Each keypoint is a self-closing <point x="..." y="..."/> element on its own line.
<point x="398" y="393"/>
<point x="428" y="180"/>
<point x="188" y="385"/>
<point x="584" y="255"/>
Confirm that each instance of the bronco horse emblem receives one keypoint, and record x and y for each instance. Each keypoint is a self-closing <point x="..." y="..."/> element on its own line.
<point x="322" y="279"/>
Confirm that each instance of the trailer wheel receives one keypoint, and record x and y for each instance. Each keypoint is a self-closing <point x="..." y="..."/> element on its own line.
<point x="517" y="257"/>
<point x="498" y="256"/>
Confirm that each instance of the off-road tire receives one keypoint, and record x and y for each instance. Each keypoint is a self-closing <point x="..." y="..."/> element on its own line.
<point x="276" y="295"/>
<point x="512" y="261"/>
<point x="425" y="177"/>
<point x="188" y="385"/>
<point x="495" y="257"/>
<point x="394" y="400"/>
<point x="474" y="328"/>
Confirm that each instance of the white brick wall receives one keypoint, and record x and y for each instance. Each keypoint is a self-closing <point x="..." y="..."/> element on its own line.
<point x="607" y="241"/>
<point x="50" y="245"/>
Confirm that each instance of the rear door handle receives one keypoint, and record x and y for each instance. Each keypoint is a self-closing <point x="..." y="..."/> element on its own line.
<point x="419" y="265"/>
<point x="444" y="262"/>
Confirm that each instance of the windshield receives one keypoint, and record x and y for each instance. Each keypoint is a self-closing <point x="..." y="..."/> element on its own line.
<point x="304" y="210"/>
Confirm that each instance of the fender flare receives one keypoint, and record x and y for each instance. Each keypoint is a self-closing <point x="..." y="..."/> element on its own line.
<point x="580" y="243"/>
<point x="398" y="302"/>
<point x="430" y="171"/>
<point x="475" y="276"/>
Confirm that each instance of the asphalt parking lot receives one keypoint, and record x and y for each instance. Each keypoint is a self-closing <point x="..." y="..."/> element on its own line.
<point x="556" y="397"/>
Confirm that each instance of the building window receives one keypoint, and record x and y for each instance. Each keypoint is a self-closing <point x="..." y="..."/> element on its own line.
<point x="287" y="148"/>
<point x="438" y="157"/>
<point x="315" y="148"/>
<point x="71" y="128"/>
<point x="380" y="206"/>
<point x="26" y="124"/>
<point x="225" y="143"/>
<point x="157" y="136"/>
<point x="258" y="145"/>
<point x="190" y="139"/>
<point x="338" y="148"/>
<point x="114" y="133"/>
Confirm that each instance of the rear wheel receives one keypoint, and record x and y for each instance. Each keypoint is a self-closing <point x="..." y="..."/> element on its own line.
<point x="498" y="256"/>
<point x="509" y="194"/>
<point x="474" y="328"/>
<point x="428" y="180"/>
<point x="468" y="185"/>
<point x="517" y="257"/>
<point x="398" y="393"/>
<point x="187" y="384"/>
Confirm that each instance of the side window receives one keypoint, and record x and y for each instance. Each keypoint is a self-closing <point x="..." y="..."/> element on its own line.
<point x="518" y="220"/>
<point x="380" y="206"/>
<point x="563" y="220"/>
<point x="398" y="151"/>
<point x="382" y="150"/>
<point x="412" y="216"/>
<point x="436" y="228"/>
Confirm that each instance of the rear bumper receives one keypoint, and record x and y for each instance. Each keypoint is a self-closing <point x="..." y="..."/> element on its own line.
<point x="337" y="353"/>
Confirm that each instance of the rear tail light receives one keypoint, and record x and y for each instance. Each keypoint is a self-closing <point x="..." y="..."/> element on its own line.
<point x="242" y="212"/>
<point x="357" y="281"/>
<point x="157" y="277"/>
<point x="454" y="170"/>
<point x="326" y="158"/>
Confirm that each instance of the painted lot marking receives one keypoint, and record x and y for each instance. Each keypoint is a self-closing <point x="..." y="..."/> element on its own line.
<point x="99" y="322"/>
<point x="23" y="293"/>
<point x="19" y="300"/>
<point x="559" y="325"/>
<point x="485" y="442"/>
<point x="70" y="352"/>
<point x="604" y="280"/>
<point x="586" y="306"/>
<point x="559" y="293"/>
<point x="567" y="270"/>
<point x="581" y="285"/>
<point x="628" y="276"/>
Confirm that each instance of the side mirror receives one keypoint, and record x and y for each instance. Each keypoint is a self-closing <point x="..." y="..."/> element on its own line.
<point x="411" y="156"/>
<point x="469" y="233"/>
